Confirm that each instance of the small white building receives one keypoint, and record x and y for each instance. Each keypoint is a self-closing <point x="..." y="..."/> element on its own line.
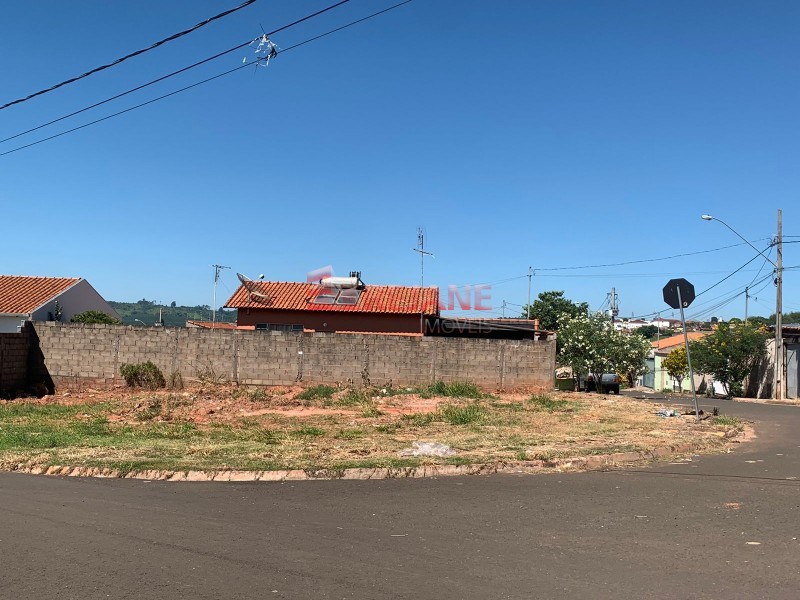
<point x="25" y="298"/>
<point x="629" y="324"/>
<point x="666" y="323"/>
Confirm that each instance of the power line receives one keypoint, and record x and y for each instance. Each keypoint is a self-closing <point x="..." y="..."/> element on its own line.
<point x="645" y="260"/>
<point x="636" y="275"/>
<point x="322" y="35"/>
<point x="708" y="289"/>
<point x="178" y="72"/>
<point x="131" y="55"/>
<point x="188" y="87"/>
<point x="727" y="277"/>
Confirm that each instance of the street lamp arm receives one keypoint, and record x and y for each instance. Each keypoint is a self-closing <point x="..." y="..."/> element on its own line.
<point x="741" y="237"/>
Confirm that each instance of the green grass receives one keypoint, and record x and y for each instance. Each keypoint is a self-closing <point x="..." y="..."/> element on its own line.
<point x="509" y="406"/>
<point x="14" y="410"/>
<point x="419" y="419"/>
<point x="350" y="398"/>
<point x="349" y="434"/>
<point x="258" y="395"/>
<point x="388" y="427"/>
<point x="729" y="421"/>
<point x="318" y="391"/>
<point x="462" y="415"/>
<point x="371" y="411"/>
<point x="545" y="403"/>
<point x="309" y="431"/>
<point x="455" y="389"/>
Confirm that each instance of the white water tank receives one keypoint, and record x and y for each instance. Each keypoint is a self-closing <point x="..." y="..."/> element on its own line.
<point x="339" y="283"/>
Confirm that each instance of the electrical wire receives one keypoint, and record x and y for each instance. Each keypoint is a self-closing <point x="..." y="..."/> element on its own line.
<point x="178" y="72"/>
<point x="645" y="260"/>
<point x="188" y="87"/>
<point x="131" y="55"/>
<point x="708" y="289"/>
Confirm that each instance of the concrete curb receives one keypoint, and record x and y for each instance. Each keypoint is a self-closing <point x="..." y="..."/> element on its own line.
<point x="524" y="467"/>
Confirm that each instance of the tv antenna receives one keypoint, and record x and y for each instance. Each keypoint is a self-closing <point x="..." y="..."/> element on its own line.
<point x="422" y="254"/>
<point x="217" y="269"/>
<point x="252" y="289"/>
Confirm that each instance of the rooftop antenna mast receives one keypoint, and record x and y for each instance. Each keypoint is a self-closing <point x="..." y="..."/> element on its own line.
<point x="217" y="269"/>
<point x="422" y="254"/>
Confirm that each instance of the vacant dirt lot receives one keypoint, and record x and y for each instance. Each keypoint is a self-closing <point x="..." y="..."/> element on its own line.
<point x="215" y="426"/>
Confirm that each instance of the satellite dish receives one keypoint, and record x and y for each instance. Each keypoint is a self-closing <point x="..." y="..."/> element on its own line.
<point x="252" y="289"/>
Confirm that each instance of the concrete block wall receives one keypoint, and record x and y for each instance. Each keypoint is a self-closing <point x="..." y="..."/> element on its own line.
<point x="13" y="362"/>
<point x="79" y="353"/>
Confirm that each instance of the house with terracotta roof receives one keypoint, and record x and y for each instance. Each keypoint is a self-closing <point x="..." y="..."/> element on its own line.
<point x="354" y="307"/>
<point x="46" y="299"/>
<point x="657" y="376"/>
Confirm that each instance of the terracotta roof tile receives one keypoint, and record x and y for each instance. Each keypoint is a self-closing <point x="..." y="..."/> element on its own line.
<point x="374" y="299"/>
<point x="677" y="340"/>
<point x="23" y="295"/>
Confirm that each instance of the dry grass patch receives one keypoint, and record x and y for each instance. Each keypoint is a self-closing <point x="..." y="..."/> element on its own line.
<point x="230" y="427"/>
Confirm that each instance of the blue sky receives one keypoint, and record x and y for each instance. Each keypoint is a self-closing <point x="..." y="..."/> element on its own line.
<point x="543" y="134"/>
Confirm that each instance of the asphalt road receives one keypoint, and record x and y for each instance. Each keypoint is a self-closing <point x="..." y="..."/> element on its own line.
<point x="723" y="526"/>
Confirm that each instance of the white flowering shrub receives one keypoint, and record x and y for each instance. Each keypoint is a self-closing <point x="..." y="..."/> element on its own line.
<point x="590" y="345"/>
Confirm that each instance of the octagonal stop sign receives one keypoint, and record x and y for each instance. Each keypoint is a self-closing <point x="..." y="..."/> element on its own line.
<point x="671" y="293"/>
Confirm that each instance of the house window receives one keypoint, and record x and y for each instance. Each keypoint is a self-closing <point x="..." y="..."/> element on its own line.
<point x="278" y="327"/>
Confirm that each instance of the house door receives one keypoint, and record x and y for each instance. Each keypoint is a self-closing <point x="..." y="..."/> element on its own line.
<point x="792" y="372"/>
<point x="649" y="379"/>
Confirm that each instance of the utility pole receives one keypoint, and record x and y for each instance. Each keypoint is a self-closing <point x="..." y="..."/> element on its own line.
<point x="746" y="299"/>
<point x="530" y="280"/>
<point x="778" y="310"/>
<point x="614" y="308"/>
<point x="504" y="309"/>
<point x="217" y="269"/>
<point x="422" y="254"/>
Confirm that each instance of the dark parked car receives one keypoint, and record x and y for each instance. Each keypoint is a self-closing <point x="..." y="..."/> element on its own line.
<point x="610" y="383"/>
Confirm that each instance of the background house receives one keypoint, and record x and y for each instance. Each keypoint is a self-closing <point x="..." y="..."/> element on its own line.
<point x="292" y="306"/>
<point x="657" y="376"/>
<point x="34" y="299"/>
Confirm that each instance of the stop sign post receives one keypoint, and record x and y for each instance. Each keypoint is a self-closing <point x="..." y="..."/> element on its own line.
<point x="679" y="293"/>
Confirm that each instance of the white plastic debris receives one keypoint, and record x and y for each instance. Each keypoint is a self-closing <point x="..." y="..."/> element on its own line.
<point x="667" y="412"/>
<point x="427" y="449"/>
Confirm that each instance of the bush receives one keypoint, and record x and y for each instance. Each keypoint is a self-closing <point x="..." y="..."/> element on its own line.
<point x="318" y="391"/>
<point x="95" y="316"/>
<point x="145" y="375"/>
<point x="175" y="381"/>
<point x="456" y="389"/>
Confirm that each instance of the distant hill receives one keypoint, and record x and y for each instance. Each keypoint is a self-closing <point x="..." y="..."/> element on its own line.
<point x="174" y="316"/>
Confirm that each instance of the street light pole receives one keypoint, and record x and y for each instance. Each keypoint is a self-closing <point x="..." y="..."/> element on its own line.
<point x="777" y="393"/>
<point x="779" y="380"/>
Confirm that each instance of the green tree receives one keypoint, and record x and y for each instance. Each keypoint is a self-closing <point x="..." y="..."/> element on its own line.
<point x="730" y="353"/>
<point x="585" y="343"/>
<point x="630" y="352"/>
<point x="648" y="332"/>
<point x="549" y="306"/>
<point x="790" y="317"/>
<point x="677" y="365"/>
<point x="760" y="321"/>
<point x="591" y="346"/>
<point x="95" y="316"/>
